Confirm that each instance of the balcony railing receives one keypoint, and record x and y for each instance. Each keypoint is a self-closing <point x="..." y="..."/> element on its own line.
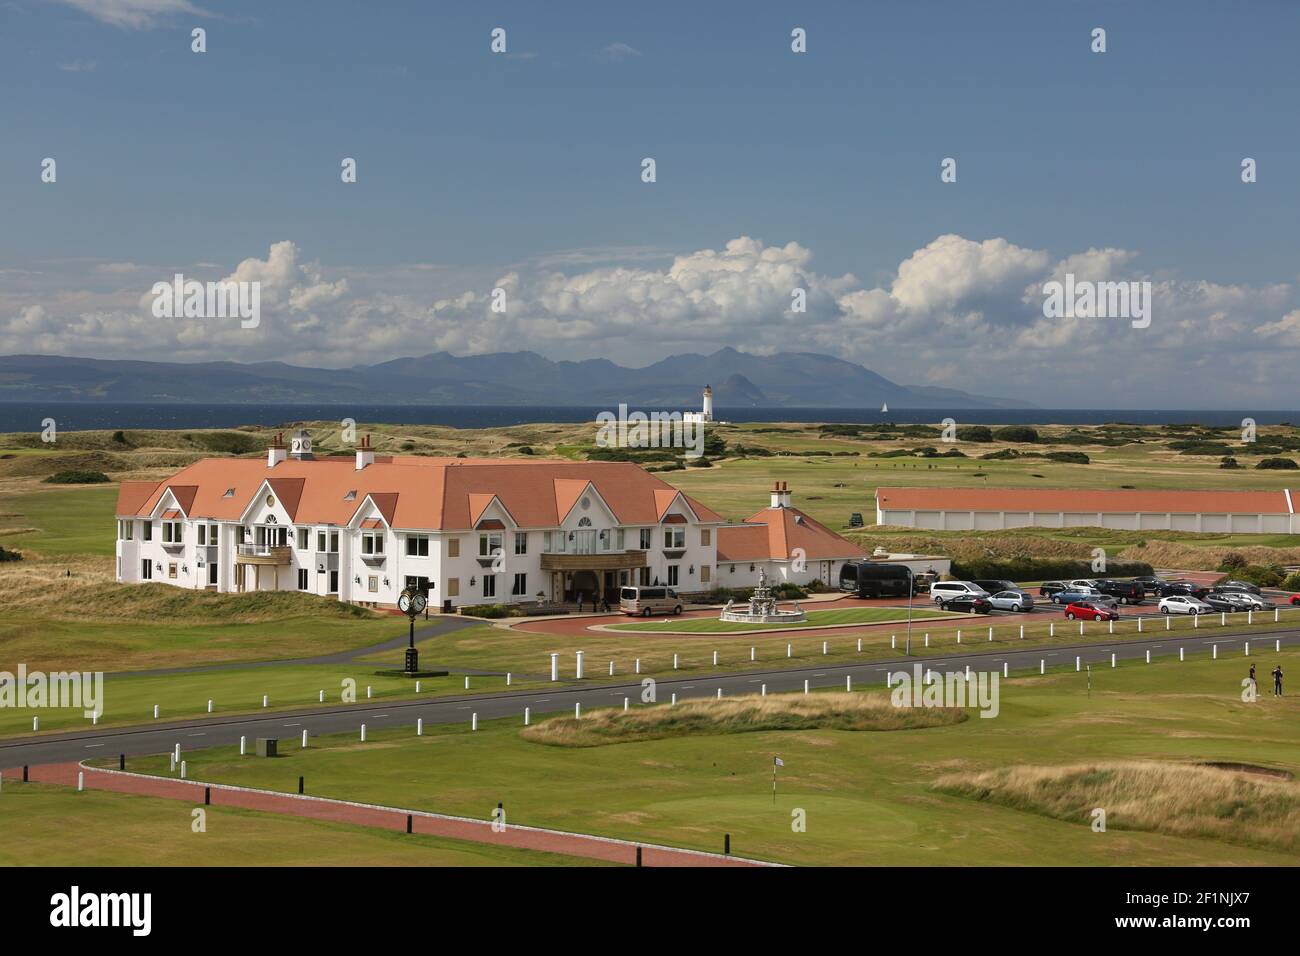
<point x="262" y="554"/>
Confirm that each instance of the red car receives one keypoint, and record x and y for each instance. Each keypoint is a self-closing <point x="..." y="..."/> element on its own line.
<point x="1087" y="611"/>
<point x="1295" y="599"/>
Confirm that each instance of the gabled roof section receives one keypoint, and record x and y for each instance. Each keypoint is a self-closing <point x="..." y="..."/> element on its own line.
<point x="132" y="497"/>
<point x="567" y="493"/>
<point x="783" y="531"/>
<point x="288" y="491"/>
<point x="385" y="503"/>
<point x="184" y="495"/>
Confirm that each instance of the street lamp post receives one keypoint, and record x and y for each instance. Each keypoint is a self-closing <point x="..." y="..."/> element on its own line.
<point x="911" y="591"/>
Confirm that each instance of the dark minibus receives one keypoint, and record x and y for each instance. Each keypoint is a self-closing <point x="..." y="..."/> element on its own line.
<point x="868" y="579"/>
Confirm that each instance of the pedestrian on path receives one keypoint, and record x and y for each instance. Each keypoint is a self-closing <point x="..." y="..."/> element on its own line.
<point x="1277" y="681"/>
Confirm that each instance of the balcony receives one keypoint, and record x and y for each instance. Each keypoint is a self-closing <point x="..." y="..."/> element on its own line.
<point x="600" y="561"/>
<point x="262" y="554"/>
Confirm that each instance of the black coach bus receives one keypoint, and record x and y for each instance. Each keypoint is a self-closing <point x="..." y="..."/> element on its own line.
<point x="868" y="579"/>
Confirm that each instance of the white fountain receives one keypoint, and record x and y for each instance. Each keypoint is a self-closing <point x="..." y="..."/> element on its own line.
<point x="762" y="608"/>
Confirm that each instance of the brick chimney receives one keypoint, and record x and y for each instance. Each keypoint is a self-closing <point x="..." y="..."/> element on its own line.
<point x="365" y="454"/>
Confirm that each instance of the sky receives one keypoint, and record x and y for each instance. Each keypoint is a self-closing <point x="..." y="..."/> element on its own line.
<point x="522" y="171"/>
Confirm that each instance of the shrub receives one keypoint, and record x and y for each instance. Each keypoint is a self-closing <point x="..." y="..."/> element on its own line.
<point x="1005" y="454"/>
<point x="1290" y="583"/>
<point x="227" y="443"/>
<point x="119" y="438"/>
<point x="6" y="555"/>
<point x="526" y="450"/>
<point x="490" y="610"/>
<point x="1232" y="561"/>
<point x="1227" y="461"/>
<point x="1017" y="433"/>
<point x="1259" y="574"/>
<point x="1286" y="464"/>
<point x="976" y="433"/>
<point x="1071" y="457"/>
<point x="700" y="462"/>
<point x="77" y="477"/>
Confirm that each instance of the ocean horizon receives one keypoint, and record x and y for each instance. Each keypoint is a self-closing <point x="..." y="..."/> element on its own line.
<point x="88" y="416"/>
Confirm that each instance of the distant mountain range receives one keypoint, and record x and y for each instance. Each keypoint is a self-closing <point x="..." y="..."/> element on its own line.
<point x="791" y="379"/>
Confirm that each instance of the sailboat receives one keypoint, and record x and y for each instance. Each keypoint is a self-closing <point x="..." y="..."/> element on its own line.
<point x="884" y="408"/>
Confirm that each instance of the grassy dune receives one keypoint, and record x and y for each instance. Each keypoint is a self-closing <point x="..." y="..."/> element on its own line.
<point x="739" y="715"/>
<point x="1173" y="798"/>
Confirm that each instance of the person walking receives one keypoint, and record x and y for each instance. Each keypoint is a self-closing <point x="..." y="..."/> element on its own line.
<point x="1277" y="681"/>
<point x="580" y="596"/>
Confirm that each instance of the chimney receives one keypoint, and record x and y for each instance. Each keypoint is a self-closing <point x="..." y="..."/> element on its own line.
<point x="781" y="495"/>
<point x="277" y="452"/>
<point x="365" y="454"/>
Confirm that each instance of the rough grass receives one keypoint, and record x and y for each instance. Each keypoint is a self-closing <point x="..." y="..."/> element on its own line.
<point x="739" y="715"/>
<point x="1170" y="798"/>
<point x="1178" y="554"/>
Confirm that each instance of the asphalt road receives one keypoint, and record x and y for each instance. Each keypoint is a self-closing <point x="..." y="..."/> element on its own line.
<point x="347" y="718"/>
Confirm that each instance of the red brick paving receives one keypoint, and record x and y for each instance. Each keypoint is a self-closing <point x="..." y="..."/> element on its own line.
<point x="338" y="811"/>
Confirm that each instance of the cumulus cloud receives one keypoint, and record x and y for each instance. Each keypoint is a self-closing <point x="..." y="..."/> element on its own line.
<point x="619" y="51"/>
<point x="962" y="312"/>
<point x="134" y="14"/>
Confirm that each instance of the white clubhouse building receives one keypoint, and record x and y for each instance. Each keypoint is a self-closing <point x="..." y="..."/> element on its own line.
<point x="470" y="530"/>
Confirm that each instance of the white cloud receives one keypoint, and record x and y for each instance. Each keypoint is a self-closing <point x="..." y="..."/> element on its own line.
<point x="134" y="14"/>
<point x="619" y="51"/>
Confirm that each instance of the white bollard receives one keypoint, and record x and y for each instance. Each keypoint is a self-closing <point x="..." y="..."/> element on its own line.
<point x="177" y="751"/>
<point x="638" y="665"/>
<point x="526" y="715"/>
<point x="94" y="718"/>
<point x="1022" y="632"/>
<point x="209" y="705"/>
<point x="611" y="668"/>
<point x="243" y="745"/>
<point x="1248" y="648"/>
<point x="419" y="726"/>
<point x="1112" y="660"/>
<point x="1214" y="651"/>
<point x="36" y="723"/>
<point x="304" y="739"/>
<point x="363" y="733"/>
<point x="805" y="686"/>
<point x="507" y="680"/>
<point x="1078" y="665"/>
<point x="155" y="711"/>
<point x="990" y="633"/>
<point x="1196" y="620"/>
<point x="927" y="638"/>
<point x="466" y="684"/>
<point x="320" y="698"/>
<point x="824" y="648"/>
<point x="715" y="658"/>
<point x="968" y="672"/>
<point x="417" y="687"/>
<point x="1042" y="666"/>
<point x="762" y="690"/>
<point x="1168" y="620"/>
<point x="1051" y="629"/>
<point x="1275" y="610"/>
<point x="368" y="693"/>
<point x="889" y="678"/>
<point x="264" y="700"/>
<point x="625" y="702"/>
<point x="171" y="763"/>
<point x="1277" y="646"/>
<point x="751" y="653"/>
<point x="1180" y="653"/>
<point x="473" y="721"/>
<point x="1111" y="628"/>
<point x="1223" y="619"/>
<point x="1006" y="669"/>
<point x="81" y="781"/>
<point x="1139" y="625"/>
<point x="673" y="701"/>
<point x="555" y="667"/>
<point x="578" y="671"/>
<point x="893" y="642"/>
<point x="1081" y="628"/>
<point x="859" y="645"/>
<point x="719" y="693"/>
<point x="183" y="769"/>
<point x="1148" y="656"/>
<point x="577" y="709"/>
<point x="848" y="683"/>
<point x="674" y="662"/>
<point x="789" y="650"/>
<point x="959" y="635"/>
<point x="1250" y="616"/>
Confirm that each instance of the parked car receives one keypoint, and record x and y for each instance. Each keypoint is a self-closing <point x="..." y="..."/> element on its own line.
<point x="1090" y="611"/>
<point x="1150" y="582"/>
<point x="1012" y="599"/>
<point x="1244" y="586"/>
<point x="968" y="604"/>
<point x="1295" y="599"/>
<point x="1230" y="601"/>
<point x="1083" y="583"/>
<point x="1048" y="588"/>
<point x="644" y="601"/>
<point x="1251" y="602"/>
<point x="1072" y="594"/>
<point x="1126" y="592"/>
<point x="1183" y="604"/>
<point x="945" y="591"/>
<point x="1182" y="588"/>
<point x="994" y="586"/>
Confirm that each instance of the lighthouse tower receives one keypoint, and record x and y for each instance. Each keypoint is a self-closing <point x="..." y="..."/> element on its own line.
<point x="707" y="408"/>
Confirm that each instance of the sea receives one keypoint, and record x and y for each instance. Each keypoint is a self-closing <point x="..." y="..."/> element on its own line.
<point x="83" y="416"/>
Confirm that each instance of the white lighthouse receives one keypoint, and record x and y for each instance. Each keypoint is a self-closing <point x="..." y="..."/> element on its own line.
<point x="705" y="414"/>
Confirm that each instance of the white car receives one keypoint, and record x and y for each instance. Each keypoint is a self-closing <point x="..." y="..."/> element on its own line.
<point x="1084" y="583"/>
<point x="944" y="591"/>
<point x="1183" y="604"/>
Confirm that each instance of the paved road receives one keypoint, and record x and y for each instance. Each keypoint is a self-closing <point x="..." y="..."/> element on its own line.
<point x="209" y="732"/>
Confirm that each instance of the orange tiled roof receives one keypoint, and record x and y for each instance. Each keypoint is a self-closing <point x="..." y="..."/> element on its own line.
<point x="773" y="534"/>
<point x="415" y="492"/>
<point x="1102" y="500"/>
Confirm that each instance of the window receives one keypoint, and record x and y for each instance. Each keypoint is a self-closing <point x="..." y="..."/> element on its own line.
<point x="704" y="573"/>
<point x="555" y="542"/>
<point x="229" y="493"/>
<point x="334" y="542"/>
<point x="212" y="572"/>
<point x="520" y="587"/>
<point x="674" y="539"/>
<point x="320" y="541"/>
<point x="489" y="545"/>
<point x="417" y="545"/>
<point x="453" y="547"/>
<point x="172" y="532"/>
<point x="351" y="495"/>
<point x="146" y="530"/>
<point x="203" y="534"/>
<point x="334" y="582"/>
<point x="672" y="575"/>
<point x="124" y="529"/>
<point x="373" y="583"/>
<point x="489" y="585"/>
<point x="620" y="539"/>
<point x="303" y="579"/>
<point x="373" y="543"/>
<point x="706" y="537"/>
<point x="171" y="569"/>
<point x="521" y="542"/>
<point x="303" y="537"/>
<point x="645" y="539"/>
<point x="146" y="571"/>
<point x="453" y="586"/>
<point x="212" y="535"/>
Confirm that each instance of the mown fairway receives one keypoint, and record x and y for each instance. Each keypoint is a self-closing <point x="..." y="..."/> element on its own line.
<point x="95" y="828"/>
<point x="868" y="796"/>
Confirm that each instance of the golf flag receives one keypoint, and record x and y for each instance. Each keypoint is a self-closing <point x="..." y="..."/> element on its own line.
<point x="776" y="762"/>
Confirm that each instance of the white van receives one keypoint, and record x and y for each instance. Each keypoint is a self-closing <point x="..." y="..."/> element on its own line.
<point x="644" y="601"/>
<point x="945" y="591"/>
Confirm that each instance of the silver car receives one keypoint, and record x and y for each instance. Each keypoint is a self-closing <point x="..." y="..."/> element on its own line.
<point x="1012" y="601"/>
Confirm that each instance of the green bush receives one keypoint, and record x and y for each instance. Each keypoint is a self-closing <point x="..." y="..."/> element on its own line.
<point x="6" y="555"/>
<point x="1071" y="457"/>
<point x="698" y="463"/>
<point x="490" y="610"/>
<point x="1285" y="464"/>
<point x="1227" y="461"/>
<point x="1290" y="583"/>
<point x="1017" y="433"/>
<point x="77" y="477"/>
<point x="1232" y="562"/>
<point x="976" y="433"/>
<point x="1262" y="575"/>
<point x="227" y="443"/>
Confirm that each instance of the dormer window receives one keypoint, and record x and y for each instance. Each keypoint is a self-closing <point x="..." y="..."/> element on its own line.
<point x="351" y="495"/>
<point x="230" y="493"/>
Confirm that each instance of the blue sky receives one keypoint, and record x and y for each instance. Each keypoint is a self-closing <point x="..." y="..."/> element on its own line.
<point x="475" y="167"/>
